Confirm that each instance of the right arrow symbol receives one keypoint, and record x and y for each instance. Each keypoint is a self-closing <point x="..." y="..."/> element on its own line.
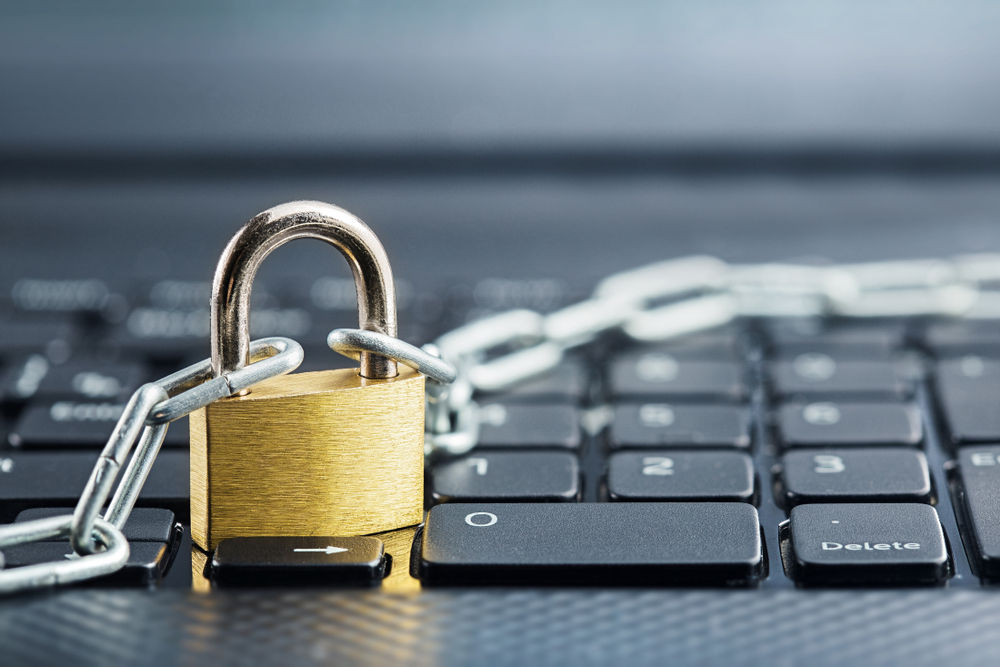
<point x="323" y="550"/>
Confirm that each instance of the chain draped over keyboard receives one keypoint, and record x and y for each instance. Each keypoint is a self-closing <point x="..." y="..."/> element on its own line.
<point x="99" y="545"/>
<point x="656" y="303"/>
<point x="684" y="296"/>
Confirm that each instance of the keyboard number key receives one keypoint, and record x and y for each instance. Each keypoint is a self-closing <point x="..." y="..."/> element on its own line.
<point x="681" y="475"/>
<point x="854" y="475"/>
<point x="508" y="476"/>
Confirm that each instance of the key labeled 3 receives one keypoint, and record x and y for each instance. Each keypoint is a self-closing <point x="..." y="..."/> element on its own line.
<point x="883" y="474"/>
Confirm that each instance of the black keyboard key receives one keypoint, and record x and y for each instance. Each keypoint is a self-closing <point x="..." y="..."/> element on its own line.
<point x="656" y="374"/>
<point x="77" y="424"/>
<point x="508" y="476"/>
<point x="947" y="339"/>
<point x="43" y="479"/>
<point x="597" y="544"/>
<point x="867" y="543"/>
<point x="681" y="475"/>
<point x="716" y="345"/>
<point x="517" y="425"/>
<point x="968" y="393"/>
<point x="973" y="420"/>
<point x="146" y="565"/>
<point x="968" y="374"/>
<point x="980" y="492"/>
<point x="163" y="335"/>
<point x="566" y="382"/>
<point x="680" y="425"/>
<point x="35" y="479"/>
<point x="21" y="379"/>
<point x="818" y="374"/>
<point x="46" y="296"/>
<point x="145" y="524"/>
<point x="33" y="377"/>
<point x="49" y="338"/>
<point x="855" y="475"/>
<point x="339" y="296"/>
<point x="174" y="294"/>
<point x="95" y="381"/>
<point x="285" y="561"/>
<point x="166" y="335"/>
<point x="829" y="424"/>
<point x="845" y="340"/>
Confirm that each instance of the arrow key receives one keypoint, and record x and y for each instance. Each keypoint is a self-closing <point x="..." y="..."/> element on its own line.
<point x="297" y="561"/>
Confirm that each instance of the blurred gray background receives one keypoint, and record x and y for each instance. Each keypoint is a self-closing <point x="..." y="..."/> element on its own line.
<point x="509" y="139"/>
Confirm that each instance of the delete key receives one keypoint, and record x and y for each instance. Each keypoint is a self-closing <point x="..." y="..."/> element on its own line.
<point x="867" y="543"/>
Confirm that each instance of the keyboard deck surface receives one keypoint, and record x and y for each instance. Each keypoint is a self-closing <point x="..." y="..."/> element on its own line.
<point x="758" y="415"/>
<point x="858" y="419"/>
<point x="743" y="390"/>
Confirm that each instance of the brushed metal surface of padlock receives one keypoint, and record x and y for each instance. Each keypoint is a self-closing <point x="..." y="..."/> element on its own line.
<point x="336" y="452"/>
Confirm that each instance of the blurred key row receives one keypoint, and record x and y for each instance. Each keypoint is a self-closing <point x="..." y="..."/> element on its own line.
<point x="72" y="405"/>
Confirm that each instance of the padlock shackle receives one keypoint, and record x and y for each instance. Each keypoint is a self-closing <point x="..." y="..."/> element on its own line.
<point x="275" y="227"/>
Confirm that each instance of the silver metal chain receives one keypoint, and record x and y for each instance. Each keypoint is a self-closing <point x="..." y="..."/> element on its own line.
<point x="98" y="543"/>
<point x="658" y="302"/>
<point x="678" y="297"/>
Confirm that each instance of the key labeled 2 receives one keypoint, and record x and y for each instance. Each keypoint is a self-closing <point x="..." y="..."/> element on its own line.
<point x="680" y="475"/>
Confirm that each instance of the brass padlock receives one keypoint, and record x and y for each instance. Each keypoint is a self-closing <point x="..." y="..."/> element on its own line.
<point x="337" y="452"/>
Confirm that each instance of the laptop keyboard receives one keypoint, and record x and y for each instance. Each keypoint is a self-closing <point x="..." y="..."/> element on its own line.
<point x="769" y="453"/>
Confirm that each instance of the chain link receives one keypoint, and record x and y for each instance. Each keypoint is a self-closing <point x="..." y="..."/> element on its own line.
<point x="653" y="303"/>
<point x="679" y="297"/>
<point x="98" y="543"/>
